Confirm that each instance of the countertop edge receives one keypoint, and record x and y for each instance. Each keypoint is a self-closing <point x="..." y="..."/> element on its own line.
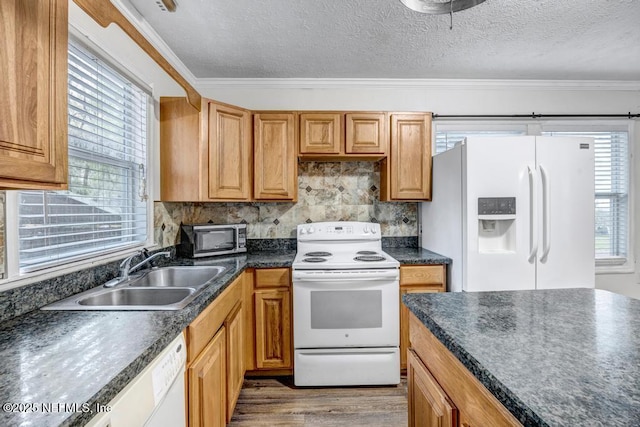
<point x="503" y="394"/>
<point x="185" y="316"/>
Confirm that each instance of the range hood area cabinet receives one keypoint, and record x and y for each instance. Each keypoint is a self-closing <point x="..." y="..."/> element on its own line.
<point x="405" y="175"/>
<point x="343" y="136"/>
<point x="33" y="111"/>
<point x="206" y="155"/>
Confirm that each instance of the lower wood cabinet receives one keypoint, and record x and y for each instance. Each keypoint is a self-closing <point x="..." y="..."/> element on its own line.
<point x="442" y="391"/>
<point x="429" y="405"/>
<point x="273" y="328"/>
<point x="417" y="279"/>
<point x="207" y="387"/>
<point x="233" y="325"/>
<point x="215" y="359"/>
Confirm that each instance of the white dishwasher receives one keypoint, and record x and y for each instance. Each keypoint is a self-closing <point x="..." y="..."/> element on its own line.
<point x="155" y="398"/>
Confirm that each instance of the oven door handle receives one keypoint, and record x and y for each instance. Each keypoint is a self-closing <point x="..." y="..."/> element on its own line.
<point x="384" y="275"/>
<point x="342" y="279"/>
<point x="347" y="284"/>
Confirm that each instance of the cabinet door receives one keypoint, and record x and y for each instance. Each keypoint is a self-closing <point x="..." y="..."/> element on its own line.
<point x="410" y="162"/>
<point x="33" y="111"/>
<point x="429" y="405"/>
<point x="366" y="133"/>
<point x="273" y="329"/>
<point x="207" y="385"/>
<point x="320" y="133"/>
<point x="235" y="357"/>
<point x="276" y="164"/>
<point x="404" y="319"/>
<point x="416" y="279"/>
<point x="229" y="142"/>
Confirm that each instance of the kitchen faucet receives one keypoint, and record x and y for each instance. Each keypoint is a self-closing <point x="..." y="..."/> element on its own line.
<point x="126" y="269"/>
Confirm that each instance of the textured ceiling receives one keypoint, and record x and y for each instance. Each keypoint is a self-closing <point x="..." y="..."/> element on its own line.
<point x="498" y="39"/>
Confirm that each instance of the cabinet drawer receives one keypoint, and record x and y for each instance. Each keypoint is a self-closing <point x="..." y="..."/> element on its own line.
<point x="272" y="278"/>
<point x="422" y="275"/>
<point x="202" y="329"/>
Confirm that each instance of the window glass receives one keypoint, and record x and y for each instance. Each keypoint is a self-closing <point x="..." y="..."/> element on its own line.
<point x="611" y="149"/>
<point x="105" y="207"/>
<point x="448" y="136"/>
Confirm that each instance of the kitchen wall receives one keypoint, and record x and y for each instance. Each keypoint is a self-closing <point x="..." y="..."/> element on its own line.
<point x="327" y="191"/>
<point x="454" y="97"/>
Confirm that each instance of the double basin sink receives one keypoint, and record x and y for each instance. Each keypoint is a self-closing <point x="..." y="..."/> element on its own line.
<point x="166" y="288"/>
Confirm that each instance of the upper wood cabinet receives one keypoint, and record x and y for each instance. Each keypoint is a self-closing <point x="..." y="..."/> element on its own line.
<point x="320" y="133"/>
<point x="275" y="161"/>
<point x="206" y="155"/>
<point x="366" y="133"/>
<point x="33" y="111"/>
<point x="406" y="173"/>
<point x="343" y="136"/>
<point x="229" y="143"/>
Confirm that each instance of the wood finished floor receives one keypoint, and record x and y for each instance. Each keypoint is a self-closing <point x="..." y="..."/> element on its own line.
<point x="277" y="402"/>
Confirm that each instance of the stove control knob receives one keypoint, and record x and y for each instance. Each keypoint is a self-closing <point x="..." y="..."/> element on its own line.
<point x="366" y="229"/>
<point x="303" y="231"/>
<point x="373" y="230"/>
<point x="310" y="230"/>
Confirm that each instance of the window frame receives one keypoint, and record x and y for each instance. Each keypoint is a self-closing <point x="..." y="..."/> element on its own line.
<point x="535" y="128"/>
<point x="13" y="277"/>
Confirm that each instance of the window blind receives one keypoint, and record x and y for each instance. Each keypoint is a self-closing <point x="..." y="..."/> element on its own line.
<point x="105" y="206"/>
<point x="447" y="138"/>
<point x="611" y="149"/>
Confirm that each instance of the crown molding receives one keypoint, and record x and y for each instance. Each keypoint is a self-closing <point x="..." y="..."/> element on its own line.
<point x="137" y="20"/>
<point x="204" y="84"/>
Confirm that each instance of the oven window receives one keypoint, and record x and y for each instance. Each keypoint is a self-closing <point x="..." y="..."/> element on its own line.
<point x="217" y="239"/>
<point x="346" y="309"/>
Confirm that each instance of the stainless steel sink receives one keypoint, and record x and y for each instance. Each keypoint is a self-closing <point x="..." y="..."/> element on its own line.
<point x="137" y="297"/>
<point x="178" y="276"/>
<point x="167" y="288"/>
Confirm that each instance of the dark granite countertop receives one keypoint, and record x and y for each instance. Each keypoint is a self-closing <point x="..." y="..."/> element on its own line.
<point x="89" y="356"/>
<point x="417" y="256"/>
<point x="566" y="357"/>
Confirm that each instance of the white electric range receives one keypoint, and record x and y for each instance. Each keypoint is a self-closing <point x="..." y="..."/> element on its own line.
<point x="345" y="306"/>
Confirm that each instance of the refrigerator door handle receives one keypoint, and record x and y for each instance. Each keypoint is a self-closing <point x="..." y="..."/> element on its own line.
<point x="533" y="213"/>
<point x="546" y="210"/>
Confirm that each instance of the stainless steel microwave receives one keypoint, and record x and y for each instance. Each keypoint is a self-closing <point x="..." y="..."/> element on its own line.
<point x="202" y="240"/>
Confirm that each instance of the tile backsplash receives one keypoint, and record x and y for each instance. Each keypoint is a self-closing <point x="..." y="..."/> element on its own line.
<point x="327" y="191"/>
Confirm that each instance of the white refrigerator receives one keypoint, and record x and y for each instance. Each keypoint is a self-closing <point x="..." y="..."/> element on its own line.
<point x="514" y="213"/>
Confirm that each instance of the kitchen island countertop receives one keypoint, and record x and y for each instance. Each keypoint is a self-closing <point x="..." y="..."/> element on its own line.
<point x="551" y="357"/>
